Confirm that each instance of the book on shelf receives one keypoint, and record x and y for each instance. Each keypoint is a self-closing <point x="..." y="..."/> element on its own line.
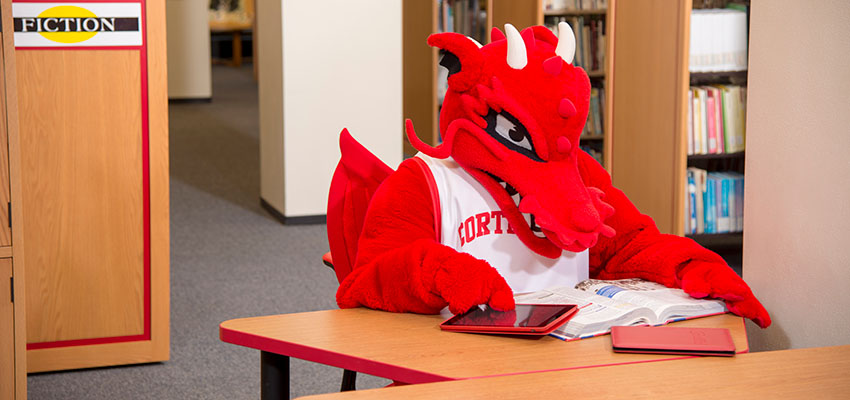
<point x="690" y="122"/>
<point x="593" y="125"/>
<point x="462" y="16"/>
<point x="595" y="153"/>
<point x="716" y="119"/>
<point x="551" y="5"/>
<point x="590" y="39"/>
<point x="711" y="122"/>
<point x="690" y="204"/>
<point x="718" y="40"/>
<point x="715" y="202"/>
<point x="625" y="302"/>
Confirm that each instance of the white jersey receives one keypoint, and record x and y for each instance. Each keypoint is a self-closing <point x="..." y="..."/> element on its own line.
<point x="471" y="222"/>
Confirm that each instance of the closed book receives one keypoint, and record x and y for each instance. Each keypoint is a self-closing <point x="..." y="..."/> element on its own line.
<point x="576" y="24"/>
<point x="585" y="37"/>
<point x="690" y="122"/>
<point x="711" y="122"/>
<point x="691" y="205"/>
<point x="718" y="119"/>
<point x="699" y="182"/>
<point x="733" y="215"/>
<point x="672" y="340"/>
<point x="703" y="119"/>
<point x="727" y="118"/>
<point x="740" y="117"/>
<point x="723" y="210"/>
<point x="710" y="204"/>
<point x="594" y="62"/>
<point x="739" y="203"/>
<point x="596" y="103"/>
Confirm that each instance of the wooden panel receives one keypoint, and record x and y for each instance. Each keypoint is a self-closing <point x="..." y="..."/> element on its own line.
<point x="419" y="70"/>
<point x="7" y="332"/>
<point x="649" y="91"/>
<point x="82" y="170"/>
<point x="5" y="230"/>
<point x="159" y="203"/>
<point x="519" y="13"/>
<point x="10" y="106"/>
<point x="70" y="357"/>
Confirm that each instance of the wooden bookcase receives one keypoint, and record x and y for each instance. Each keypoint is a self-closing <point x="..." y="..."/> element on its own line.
<point x="421" y="61"/>
<point x="649" y="145"/>
<point x="13" y="356"/>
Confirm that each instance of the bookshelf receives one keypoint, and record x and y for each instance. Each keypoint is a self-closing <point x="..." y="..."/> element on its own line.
<point x="650" y="146"/>
<point x="421" y="80"/>
<point x="421" y="94"/>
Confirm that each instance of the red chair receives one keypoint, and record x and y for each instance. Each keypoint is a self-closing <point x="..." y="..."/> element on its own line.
<point x="357" y="176"/>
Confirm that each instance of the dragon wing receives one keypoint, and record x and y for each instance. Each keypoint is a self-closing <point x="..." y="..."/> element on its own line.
<point x="357" y="176"/>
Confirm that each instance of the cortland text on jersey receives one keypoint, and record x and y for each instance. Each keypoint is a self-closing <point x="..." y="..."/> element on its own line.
<point x="482" y="224"/>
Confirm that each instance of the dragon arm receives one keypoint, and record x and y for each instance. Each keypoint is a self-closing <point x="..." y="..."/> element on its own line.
<point x="401" y="267"/>
<point x="639" y="250"/>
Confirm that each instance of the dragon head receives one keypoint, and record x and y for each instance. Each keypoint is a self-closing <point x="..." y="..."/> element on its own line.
<point x="512" y="118"/>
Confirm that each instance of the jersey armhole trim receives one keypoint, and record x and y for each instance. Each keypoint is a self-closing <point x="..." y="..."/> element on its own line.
<point x="435" y="196"/>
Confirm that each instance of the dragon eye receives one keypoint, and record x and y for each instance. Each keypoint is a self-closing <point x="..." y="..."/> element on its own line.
<point x="508" y="130"/>
<point x="511" y="133"/>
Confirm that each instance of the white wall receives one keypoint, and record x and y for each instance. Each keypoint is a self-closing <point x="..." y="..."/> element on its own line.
<point x="188" y="42"/>
<point x="341" y="67"/>
<point x="797" y="208"/>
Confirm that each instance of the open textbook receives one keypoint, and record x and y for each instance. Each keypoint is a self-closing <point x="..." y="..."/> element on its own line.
<point x="603" y="304"/>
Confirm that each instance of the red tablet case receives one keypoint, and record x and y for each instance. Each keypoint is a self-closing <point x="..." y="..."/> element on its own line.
<point x="671" y="340"/>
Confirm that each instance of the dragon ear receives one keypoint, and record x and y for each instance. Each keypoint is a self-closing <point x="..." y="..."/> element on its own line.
<point x="460" y="55"/>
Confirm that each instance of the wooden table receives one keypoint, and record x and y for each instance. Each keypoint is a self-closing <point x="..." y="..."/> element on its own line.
<point x="235" y="30"/>
<point x="411" y="348"/>
<point x="821" y="372"/>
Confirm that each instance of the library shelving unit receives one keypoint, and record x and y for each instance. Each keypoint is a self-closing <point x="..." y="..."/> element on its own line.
<point x="421" y="62"/>
<point x="649" y="130"/>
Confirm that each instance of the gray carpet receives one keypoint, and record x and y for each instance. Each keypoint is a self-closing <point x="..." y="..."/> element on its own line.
<point x="229" y="259"/>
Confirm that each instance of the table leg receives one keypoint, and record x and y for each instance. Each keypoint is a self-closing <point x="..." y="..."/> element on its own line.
<point x="349" y="378"/>
<point x="274" y="376"/>
<point x="237" y="49"/>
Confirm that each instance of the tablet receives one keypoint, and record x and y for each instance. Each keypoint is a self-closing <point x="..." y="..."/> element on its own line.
<point x="526" y="319"/>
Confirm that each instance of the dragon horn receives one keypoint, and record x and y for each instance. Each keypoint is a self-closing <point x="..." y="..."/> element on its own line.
<point x="517" y="57"/>
<point x="474" y="41"/>
<point x="566" y="48"/>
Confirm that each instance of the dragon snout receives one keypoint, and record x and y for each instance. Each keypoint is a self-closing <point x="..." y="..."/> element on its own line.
<point x="574" y="227"/>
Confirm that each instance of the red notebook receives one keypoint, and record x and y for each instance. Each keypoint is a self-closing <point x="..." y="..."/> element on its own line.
<point x="672" y="340"/>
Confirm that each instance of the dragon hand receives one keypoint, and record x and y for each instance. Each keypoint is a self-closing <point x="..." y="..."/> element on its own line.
<point x="702" y="279"/>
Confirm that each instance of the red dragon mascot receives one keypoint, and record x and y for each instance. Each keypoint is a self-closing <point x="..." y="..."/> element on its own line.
<point x="508" y="202"/>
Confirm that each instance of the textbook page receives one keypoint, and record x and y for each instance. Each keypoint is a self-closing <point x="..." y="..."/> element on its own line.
<point x="667" y="303"/>
<point x="596" y="314"/>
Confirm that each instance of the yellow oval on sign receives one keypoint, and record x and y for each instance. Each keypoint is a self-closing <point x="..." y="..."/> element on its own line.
<point x="66" y="16"/>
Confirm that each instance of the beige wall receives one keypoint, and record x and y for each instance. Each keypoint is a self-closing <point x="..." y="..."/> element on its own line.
<point x="340" y="66"/>
<point x="270" y="88"/>
<point x="188" y="37"/>
<point x="797" y="226"/>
